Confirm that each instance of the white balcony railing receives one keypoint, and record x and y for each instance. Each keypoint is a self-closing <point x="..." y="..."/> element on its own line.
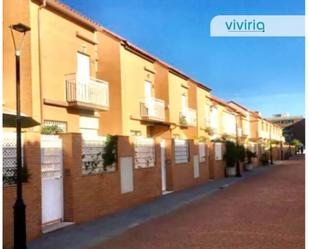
<point x="92" y="93"/>
<point x="152" y="109"/>
<point x="187" y="117"/>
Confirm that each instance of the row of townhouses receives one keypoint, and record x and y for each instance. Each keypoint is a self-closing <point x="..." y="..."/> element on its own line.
<point x="89" y="83"/>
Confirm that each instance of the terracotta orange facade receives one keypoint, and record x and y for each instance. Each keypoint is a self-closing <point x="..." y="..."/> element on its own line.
<point x="87" y="81"/>
<point x="80" y="76"/>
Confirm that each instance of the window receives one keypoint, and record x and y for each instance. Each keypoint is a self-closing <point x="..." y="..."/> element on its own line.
<point x="60" y="124"/>
<point x="181" y="150"/>
<point x="135" y="133"/>
<point x="214" y="118"/>
<point x="229" y="123"/>
<point x="89" y="126"/>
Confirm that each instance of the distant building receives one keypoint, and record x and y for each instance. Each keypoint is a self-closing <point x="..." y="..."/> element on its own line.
<point x="284" y="119"/>
<point x="295" y="131"/>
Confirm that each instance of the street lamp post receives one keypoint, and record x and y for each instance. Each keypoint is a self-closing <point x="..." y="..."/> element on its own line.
<point x="19" y="207"/>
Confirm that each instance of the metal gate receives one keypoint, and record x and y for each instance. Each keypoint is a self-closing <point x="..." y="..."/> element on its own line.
<point x="52" y="179"/>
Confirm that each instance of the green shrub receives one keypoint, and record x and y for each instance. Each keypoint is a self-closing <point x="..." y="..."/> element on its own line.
<point x="250" y="155"/>
<point x="230" y="155"/>
<point x="51" y="130"/>
<point x="109" y="155"/>
<point x="241" y="153"/>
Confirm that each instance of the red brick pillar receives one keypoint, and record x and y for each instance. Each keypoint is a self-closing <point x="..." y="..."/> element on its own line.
<point x="125" y="147"/>
<point x="211" y="160"/>
<point x="170" y="160"/>
<point x="72" y="146"/>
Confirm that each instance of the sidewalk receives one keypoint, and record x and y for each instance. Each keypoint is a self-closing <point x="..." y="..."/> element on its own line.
<point x="89" y="234"/>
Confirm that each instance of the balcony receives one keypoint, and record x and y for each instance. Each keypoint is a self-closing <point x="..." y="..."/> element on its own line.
<point x="263" y="134"/>
<point x="152" y="109"/>
<point x="187" y="117"/>
<point x="210" y="129"/>
<point x="90" y="94"/>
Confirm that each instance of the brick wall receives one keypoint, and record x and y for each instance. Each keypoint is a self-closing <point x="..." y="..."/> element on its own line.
<point x="181" y="175"/>
<point x="216" y="167"/>
<point x="31" y="194"/>
<point x="87" y="197"/>
<point x="203" y="167"/>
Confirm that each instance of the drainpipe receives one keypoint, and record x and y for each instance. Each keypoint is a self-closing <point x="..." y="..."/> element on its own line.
<point x="43" y="5"/>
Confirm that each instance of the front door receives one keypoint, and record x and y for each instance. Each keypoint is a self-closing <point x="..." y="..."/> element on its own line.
<point x="83" y="67"/>
<point x="163" y="165"/>
<point x="82" y="77"/>
<point x="148" y="89"/>
<point x="52" y="179"/>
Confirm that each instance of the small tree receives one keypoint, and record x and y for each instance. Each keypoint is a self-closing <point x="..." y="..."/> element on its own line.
<point x="296" y="143"/>
<point x="250" y="155"/>
<point x="241" y="153"/>
<point x="230" y="155"/>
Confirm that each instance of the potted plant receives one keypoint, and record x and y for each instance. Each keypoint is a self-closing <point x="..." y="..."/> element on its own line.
<point x="249" y="164"/>
<point x="230" y="157"/>
<point x="183" y="121"/>
<point x="210" y="131"/>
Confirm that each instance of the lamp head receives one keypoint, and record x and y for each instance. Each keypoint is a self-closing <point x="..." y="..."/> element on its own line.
<point x="19" y="27"/>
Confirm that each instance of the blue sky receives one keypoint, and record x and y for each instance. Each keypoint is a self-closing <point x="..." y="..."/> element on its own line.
<point x="265" y="74"/>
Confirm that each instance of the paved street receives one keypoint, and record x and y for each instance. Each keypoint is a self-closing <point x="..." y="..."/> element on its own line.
<point x="261" y="212"/>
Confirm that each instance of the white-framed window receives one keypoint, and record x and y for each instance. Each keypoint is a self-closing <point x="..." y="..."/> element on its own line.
<point x="181" y="147"/>
<point x="202" y="152"/>
<point x="214" y="117"/>
<point x="229" y="123"/>
<point x="89" y="126"/>
<point x="62" y="125"/>
<point x="135" y="133"/>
